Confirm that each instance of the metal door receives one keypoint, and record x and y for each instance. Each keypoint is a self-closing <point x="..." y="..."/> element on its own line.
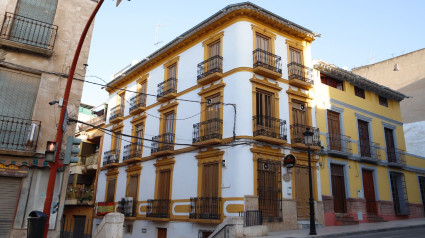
<point x="79" y="226"/>
<point x="9" y="197"/>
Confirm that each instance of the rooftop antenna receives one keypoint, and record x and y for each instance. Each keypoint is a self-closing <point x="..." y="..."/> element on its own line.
<point x="156" y="42"/>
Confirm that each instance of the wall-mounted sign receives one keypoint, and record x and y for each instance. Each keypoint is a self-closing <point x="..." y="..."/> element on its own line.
<point x="104" y="208"/>
<point x="12" y="170"/>
<point x="289" y="161"/>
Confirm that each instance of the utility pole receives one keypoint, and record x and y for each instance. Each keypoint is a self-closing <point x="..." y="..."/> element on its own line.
<point x="59" y="134"/>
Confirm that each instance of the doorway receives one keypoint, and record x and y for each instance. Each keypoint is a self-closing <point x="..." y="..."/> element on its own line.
<point x="302" y="191"/>
<point x="369" y="191"/>
<point x="338" y="188"/>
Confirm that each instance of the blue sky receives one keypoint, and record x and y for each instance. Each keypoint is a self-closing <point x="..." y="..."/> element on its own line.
<point x="354" y="32"/>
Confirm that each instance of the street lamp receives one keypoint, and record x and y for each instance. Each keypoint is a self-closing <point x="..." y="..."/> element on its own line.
<point x="308" y="140"/>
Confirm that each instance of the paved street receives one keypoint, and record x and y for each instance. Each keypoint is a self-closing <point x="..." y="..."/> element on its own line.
<point x="404" y="233"/>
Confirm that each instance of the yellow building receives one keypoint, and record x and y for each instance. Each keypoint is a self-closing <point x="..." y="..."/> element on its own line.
<point x="366" y="175"/>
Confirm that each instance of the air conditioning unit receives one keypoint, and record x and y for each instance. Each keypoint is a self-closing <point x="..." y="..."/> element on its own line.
<point x="266" y="166"/>
<point x="32" y="134"/>
<point x="126" y="206"/>
<point x="302" y="107"/>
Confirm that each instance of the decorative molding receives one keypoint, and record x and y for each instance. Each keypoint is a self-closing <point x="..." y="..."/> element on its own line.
<point x="138" y="118"/>
<point x="298" y="93"/>
<point x="266" y="83"/>
<point x="264" y="31"/>
<point x="213" y="38"/>
<point x="212" y="87"/>
<point x="209" y="153"/>
<point x="362" y="117"/>
<point x="390" y="126"/>
<point x="337" y="109"/>
<point x="165" y="161"/>
<point x="168" y="106"/>
<point x="3" y="54"/>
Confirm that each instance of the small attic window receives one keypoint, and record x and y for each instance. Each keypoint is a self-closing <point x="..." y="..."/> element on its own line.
<point x="383" y="101"/>
<point x="359" y="92"/>
<point x="335" y="83"/>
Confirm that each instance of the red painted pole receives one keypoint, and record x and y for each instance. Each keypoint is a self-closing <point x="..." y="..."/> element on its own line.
<point x="59" y="134"/>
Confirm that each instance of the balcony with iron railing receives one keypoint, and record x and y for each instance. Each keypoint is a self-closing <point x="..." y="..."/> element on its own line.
<point x="162" y="144"/>
<point x="210" y="70"/>
<point x="300" y="75"/>
<point x="111" y="158"/>
<point x="297" y="136"/>
<point x="132" y="152"/>
<point x="206" y="208"/>
<point x="339" y="145"/>
<point x="167" y="90"/>
<point x="208" y="132"/>
<point x="269" y="129"/>
<point x="369" y="151"/>
<point x="79" y="194"/>
<point x="395" y="157"/>
<point x="18" y="136"/>
<point x="138" y="103"/>
<point x="86" y="164"/>
<point x="95" y="121"/>
<point x="117" y="113"/>
<point x="158" y="208"/>
<point x="28" y="34"/>
<point x="267" y="64"/>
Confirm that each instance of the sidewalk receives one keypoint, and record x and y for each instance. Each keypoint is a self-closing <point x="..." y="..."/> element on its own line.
<point x="363" y="228"/>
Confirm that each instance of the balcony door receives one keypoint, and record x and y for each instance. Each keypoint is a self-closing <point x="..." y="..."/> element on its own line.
<point x="209" y="202"/>
<point x="264" y="110"/>
<point x="133" y="184"/>
<point x="139" y="139"/>
<point x="334" y="131"/>
<point x="32" y="25"/>
<point x="164" y="182"/>
<point x="299" y="120"/>
<point x="364" y="138"/>
<point x="212" y="116"/>
<point x="295" y="56"/>
<point x="264" y="49"/>
<point x="389" y="140"/>
<point x="168" y="128"/>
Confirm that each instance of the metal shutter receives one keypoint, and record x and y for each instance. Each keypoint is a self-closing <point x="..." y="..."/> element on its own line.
<point x="41" y="10"/>
<point x="9" y="194"/>
<point x="18" y="93"/>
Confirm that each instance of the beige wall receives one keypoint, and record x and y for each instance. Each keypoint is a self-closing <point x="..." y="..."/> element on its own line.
<point x="410" y="80"/>
<point x="71" y="17"/>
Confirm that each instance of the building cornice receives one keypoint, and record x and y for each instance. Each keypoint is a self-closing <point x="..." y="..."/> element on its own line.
<point x="357" y="80"/>
<point x="246" y="9"/>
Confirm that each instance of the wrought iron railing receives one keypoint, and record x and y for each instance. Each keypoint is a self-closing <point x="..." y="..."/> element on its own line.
<point x="159" y="208"/>
<point x="395" y="156"/>
<point x="167" y="87"/>
<point x="297" y="135"/>
<point x="210" y="66"/>
<point x="132" y="151"/>
<point x="18" y="134"/>
<point x="96" y="121"/>
<point x="162" y="142"/>
<point x="267" y="60"/>
<point x="82" y="193"/>
<point x="225" y="231"/>
<point x="300" y="72"/>
<point x="252" y="218"/>
<point x="207" y="130"/>
<point x="338" y="142"/>
<point x="117" y="111"/>
<point x="138" y="101"/>
<point x="28" y="31"/>
<point x="89" y="159"/>
<point x="111" y="157"/>
<point x="269" y="126"/>
<point x="370" y="149"/>
<point x="205" y="208"/>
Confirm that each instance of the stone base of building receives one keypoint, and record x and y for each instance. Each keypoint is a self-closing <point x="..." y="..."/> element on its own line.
<point x="356" y="212"/>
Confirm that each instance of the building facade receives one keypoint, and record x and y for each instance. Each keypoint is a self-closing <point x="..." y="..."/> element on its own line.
<point x="404" y="73"/>
<point x="37" y="42"/>
<point x="366" y="174"/>
<point x="79" y="207"/>
<point x="197" y="131"/>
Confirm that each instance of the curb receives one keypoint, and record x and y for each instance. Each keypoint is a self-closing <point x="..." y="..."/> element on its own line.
<point x="362" y="232"/>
